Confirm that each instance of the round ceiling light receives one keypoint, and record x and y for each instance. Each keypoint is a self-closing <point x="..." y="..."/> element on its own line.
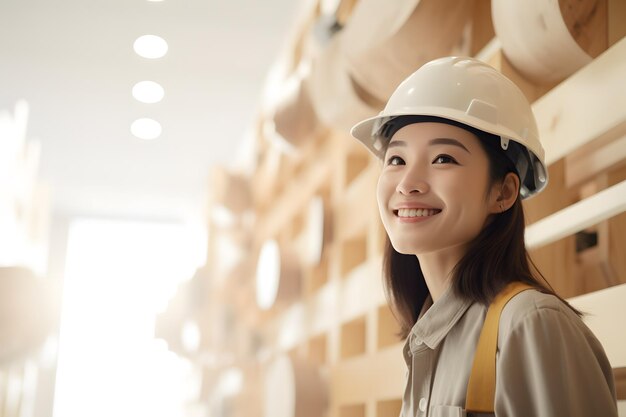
<point x="148" y="92"/>
<point x="145" y="128"/>
<point x="150" y="46"/>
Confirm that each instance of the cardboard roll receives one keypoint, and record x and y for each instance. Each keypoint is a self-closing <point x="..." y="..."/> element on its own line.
<point x="294" y="116"/>
<point x="28" y="313"/>
<point x="384" y="42"/>
<point x="293" y="388"/>
<point x="278" y="276"/>
<point x="338" y="100"/>
<point x="536" y="39"/>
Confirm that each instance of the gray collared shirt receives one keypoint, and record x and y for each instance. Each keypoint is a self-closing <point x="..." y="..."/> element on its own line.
<point x="548" y="361"/>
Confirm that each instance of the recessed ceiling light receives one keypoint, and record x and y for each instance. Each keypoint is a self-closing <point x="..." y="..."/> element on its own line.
<point x="150" y="46"/>
<point x="145" y="128"/>
<point x="148" y="92"/>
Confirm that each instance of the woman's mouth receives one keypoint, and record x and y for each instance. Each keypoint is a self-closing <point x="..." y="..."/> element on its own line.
<point x="415" y="212"/>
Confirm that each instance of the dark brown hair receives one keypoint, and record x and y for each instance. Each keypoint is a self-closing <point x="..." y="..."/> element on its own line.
<point x="494" y="258"/>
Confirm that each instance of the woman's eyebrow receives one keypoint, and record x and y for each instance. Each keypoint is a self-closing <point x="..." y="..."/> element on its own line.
<point x="448" y="141"/>
<point x="396" y="143"/>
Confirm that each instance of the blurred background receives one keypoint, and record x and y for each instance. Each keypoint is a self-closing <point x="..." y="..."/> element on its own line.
<point x="187" y="229"/>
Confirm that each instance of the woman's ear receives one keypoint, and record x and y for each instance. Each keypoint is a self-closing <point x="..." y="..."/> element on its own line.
<point x="504" y="194"/>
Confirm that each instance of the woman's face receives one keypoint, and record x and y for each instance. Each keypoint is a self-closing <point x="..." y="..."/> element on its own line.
<point x="432" y="191"/>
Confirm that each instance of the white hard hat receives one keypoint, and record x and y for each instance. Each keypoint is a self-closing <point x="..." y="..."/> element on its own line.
<point x="470" y="92"/>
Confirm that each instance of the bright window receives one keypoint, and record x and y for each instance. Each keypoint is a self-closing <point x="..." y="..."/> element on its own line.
<point x="119" y="275"/>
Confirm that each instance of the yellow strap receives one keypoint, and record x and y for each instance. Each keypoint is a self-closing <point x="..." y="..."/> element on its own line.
<point x="481" y="389"/>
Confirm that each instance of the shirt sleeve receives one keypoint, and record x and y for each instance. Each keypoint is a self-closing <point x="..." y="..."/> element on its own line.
<point x="551" y="365"/>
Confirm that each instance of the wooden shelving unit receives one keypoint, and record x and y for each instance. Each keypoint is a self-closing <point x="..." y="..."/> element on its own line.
<point x="340" y="323"/>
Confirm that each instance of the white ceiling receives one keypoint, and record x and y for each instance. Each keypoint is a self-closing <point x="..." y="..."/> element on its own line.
<point x="73" y="61"/>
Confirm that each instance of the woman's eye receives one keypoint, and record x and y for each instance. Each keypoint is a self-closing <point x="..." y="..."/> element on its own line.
<point x="444" y="159"/>
<point x="395" y="160"/>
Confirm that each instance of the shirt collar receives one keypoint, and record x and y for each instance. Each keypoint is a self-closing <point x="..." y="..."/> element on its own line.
<point x="436" y="319"/>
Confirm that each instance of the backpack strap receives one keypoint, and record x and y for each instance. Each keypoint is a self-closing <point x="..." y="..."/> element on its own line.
<point x="481" y="388"/>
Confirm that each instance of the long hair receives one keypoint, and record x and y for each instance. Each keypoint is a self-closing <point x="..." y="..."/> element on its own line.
<point x="494" y="258"/>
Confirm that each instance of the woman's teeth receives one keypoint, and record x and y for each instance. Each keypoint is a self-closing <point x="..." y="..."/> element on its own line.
<point x="417" y="212"/>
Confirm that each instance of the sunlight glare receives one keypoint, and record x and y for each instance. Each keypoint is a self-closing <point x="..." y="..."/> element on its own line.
<point x="118" y="276"/>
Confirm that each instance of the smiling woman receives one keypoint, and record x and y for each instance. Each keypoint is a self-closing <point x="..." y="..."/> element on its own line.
<point x="431" y="175"/>
<point x="460" y="150"/>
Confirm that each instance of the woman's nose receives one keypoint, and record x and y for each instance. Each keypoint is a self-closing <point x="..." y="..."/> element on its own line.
<point x="412" y="182"/>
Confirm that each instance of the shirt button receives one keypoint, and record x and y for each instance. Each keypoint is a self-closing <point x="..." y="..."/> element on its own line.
<point x="422" y="404"/>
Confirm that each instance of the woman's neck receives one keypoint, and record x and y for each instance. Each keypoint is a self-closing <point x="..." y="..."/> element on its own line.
<point x="437" y="269"/>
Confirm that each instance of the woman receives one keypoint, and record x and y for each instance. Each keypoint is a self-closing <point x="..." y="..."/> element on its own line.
<point x="460" y="150"/>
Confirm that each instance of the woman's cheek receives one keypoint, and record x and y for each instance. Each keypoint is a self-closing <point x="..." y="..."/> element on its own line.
<point x="383" y="195"/>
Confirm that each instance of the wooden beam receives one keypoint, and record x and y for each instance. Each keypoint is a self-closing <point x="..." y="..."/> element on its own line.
<point x="585" y="106"/>
<point x="585" y="213"/>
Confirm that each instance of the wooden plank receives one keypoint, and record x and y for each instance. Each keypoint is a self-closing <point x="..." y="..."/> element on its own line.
<point x="605" y="312"/>
<point x="585" y="213"/>
<point x="584" y="106"/>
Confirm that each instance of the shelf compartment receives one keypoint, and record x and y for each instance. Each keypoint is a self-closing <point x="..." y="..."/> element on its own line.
<point x="388" y="408"/>
<point x="353" y="253"/>
<point x="353" y="338"/>
<point x="387" y="328"/>
<point x="318" y="347"/>
<point x="352" y="410"/>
